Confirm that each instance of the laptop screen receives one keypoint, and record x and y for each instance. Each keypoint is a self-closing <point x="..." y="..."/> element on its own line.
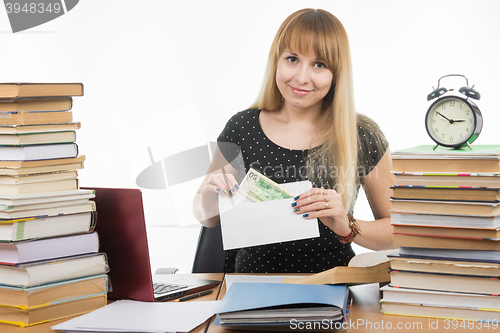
<point x="122" y="235"/>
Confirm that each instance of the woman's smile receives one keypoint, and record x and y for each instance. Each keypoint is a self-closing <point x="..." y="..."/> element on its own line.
<point x="299" y="92"/>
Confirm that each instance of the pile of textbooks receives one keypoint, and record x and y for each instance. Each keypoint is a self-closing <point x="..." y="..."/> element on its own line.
<point x="50" y="267"/>
<point x="446" y="218"/>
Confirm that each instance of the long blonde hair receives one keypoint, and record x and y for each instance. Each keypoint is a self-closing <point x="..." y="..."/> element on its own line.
<point x="319" y="31"/>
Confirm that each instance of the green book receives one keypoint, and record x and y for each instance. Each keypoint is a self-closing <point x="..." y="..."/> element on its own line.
<point x="428" y="151"/>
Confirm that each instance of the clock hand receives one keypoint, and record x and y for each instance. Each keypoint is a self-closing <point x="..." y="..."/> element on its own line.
<point x="442" y="115"/>
<point x="451" y="121"/>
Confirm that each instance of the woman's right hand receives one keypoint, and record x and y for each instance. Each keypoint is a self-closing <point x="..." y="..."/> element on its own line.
<point x="216" y="184"/>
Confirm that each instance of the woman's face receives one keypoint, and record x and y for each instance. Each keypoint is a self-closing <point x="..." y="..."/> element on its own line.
<point x="303" y="80"/>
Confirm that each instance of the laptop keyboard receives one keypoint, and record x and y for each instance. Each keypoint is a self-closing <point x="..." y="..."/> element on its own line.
<point x="161" y="288"/>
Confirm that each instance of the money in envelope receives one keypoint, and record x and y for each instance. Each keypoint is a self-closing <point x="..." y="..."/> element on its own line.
<point x="261" y="213"/>
<point x="258" y="187"/>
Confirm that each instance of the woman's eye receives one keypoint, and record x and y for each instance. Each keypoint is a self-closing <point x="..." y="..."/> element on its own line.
<point x="319" y="65"/>
<point x="292" y="59"/>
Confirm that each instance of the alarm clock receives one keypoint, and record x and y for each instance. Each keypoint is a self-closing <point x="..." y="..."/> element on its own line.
<point x="453" y="119"/>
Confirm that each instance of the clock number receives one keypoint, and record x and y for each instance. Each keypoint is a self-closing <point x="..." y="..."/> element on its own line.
<point x="443" y="107"/>
<point x="461" y="137"/>
<point x="452" y="103"/>
<point x="470" y="121"/>
<point x="467" y="112"/>
<point x="436" y="130"/>
<point x="451" y="139"/>
<point x="443" y="135"/>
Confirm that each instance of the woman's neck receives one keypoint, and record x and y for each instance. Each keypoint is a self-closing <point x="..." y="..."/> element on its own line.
<point x="305" y="118"/>
<point x="292" y="128"/>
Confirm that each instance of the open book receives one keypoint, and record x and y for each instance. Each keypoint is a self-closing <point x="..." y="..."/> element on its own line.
<point x="368" y="267"/>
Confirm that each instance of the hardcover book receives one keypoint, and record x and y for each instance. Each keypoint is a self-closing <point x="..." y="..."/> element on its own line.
<point x="23" y="129"/>
<point x="51" y="312"/>
<point x="46" y="226"/>
<point x="446" y="193"/>
<point x="17" y="252"/>
<point x="259" y="304"/>
<point x="37" y="138"/>
<point x="34" y="118"/>
<point x="41" y="166"/>
<point x="478" y="284"/>
<point x="55" y="270"/>
<point x="38" y="152"/>
<point x="464" y="208"/>
<point x="441" y="220"/>
<point x="29" y="298"/>
<point x="36" y="104"/>
<point x="28" y="89"/>
<point x="401" y="262"/>
<point x="482" y="158"/>
<point x="446" y="242"/>
<point x="448" y="232"/>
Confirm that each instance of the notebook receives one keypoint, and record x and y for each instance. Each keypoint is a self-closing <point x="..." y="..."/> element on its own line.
<point x="122" y="235"/>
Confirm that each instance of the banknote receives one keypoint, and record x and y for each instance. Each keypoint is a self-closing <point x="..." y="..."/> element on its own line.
<point x="258" y="187"/>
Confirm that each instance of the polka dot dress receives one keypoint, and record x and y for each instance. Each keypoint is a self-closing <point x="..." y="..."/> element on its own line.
<point x="282" y="165"/>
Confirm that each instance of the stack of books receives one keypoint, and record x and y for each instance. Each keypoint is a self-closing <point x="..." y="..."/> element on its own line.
<point x="446" y="218"/>
<point x="50" y="267"/>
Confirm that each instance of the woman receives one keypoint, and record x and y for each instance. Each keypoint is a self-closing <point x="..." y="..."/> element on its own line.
<point x="304" y="126"/>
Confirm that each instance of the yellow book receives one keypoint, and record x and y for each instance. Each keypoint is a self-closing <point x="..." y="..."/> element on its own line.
<point x="30" y="317"/>
<point x="49" y="294"/>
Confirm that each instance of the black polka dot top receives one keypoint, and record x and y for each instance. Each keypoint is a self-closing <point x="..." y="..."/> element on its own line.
<point x="284" y="165"/>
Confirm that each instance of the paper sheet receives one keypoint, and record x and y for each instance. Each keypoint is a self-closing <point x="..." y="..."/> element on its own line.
<point x="134" y="316"/>
<point x="247" y="223"/>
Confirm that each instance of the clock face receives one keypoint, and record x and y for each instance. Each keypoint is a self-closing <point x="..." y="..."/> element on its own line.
<point x="450" y="121"/>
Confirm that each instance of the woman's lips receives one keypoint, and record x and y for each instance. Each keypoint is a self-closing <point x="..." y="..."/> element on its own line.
<point x="299" y="92"/>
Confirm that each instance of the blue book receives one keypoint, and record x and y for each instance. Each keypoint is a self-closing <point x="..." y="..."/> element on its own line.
<point x="279" y="304"/>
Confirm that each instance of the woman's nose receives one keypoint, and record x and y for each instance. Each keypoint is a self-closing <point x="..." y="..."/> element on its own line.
<point x="302" y="74"/>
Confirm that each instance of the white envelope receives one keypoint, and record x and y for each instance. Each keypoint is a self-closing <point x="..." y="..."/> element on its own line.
<point x="247" y="223"/>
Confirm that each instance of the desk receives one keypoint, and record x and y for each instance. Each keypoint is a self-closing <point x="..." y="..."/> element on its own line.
<point x="45" y="328"/>
<point x="365" y="316"/>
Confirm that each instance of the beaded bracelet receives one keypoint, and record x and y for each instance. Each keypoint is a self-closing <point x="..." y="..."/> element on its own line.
<point x="353" y="224"/>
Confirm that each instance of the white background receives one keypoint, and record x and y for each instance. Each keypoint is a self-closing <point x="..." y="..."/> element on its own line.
<point x="169" y="74"/>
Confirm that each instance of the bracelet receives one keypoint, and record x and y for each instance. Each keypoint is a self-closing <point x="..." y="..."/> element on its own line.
<point x="353" y="224"/>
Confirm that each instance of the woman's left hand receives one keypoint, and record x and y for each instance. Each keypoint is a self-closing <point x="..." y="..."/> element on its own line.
<point x="326" y="205"/>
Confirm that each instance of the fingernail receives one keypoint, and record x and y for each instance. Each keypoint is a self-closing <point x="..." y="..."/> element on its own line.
<point x="305" y="215"/>
<point x="296" y="198"/>
<point x="231" y="192"/>
<point x="296" y="210"/>
<point x="294" y="204"/>
<point x="225" y="192"/>
<point x="218" y="189"/>
<point x="236" y="187"/>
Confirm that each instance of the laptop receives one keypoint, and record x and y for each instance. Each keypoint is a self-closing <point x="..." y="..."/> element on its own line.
<point x="122" y="236"/>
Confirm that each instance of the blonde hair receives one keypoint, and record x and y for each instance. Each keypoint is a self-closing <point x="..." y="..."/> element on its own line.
<point x="319" y="31"/>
